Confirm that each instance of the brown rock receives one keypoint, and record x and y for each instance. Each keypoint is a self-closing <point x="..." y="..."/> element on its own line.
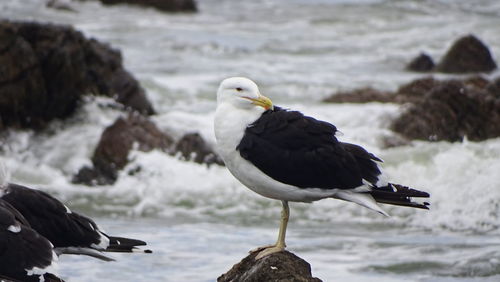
<point x="111" y="153"/>
<point x="279" y="267"/>
<point x="361" y="95"/>
<point x="416" y="89"/>
<point x="468" y="54"/>
<point x="422" y="63"/>
<point x="162" y="5"/>
<point x="22" y="87"/>
<point x="450" y="111"/>
<point x="192" y="147"/>
<point x="45" y="69"/>
<point x="494" y="88"/>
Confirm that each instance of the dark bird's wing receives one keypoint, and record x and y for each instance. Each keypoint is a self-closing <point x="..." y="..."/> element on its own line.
<point x="21" y="248"/>
<point x="68" y="231"/>
<point x="301" y="151"/>
<point x="51" y="218"/>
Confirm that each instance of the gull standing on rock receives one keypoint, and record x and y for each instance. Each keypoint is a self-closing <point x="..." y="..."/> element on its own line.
<point x="287" y="156"/>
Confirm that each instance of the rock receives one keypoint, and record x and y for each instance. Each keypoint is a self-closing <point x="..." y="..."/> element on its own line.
<point x="111" y="153"/>
<point x="450" y="111"/>
<point x="109" y="78"/>
<point x="468" y="54"/>
<point x="416" y="89"/>
<point x="45" y="69"/>
<point x="162" y="5"/>
<point x="192" y="147"/>
<point x="279" y="267"/>
<point x="137" y="131"/>
<point x="361" y="95"/>
<point x="494" y="88"/>
<point x="22" y="86"/>
<point x="422" y="63"/>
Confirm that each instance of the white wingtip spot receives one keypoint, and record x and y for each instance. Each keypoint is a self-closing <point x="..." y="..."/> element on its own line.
<point x="14" y="228"/>
<point x="103" y="242"/>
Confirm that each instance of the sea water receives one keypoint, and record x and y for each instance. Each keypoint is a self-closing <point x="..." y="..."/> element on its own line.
<point x="199" y="220"/>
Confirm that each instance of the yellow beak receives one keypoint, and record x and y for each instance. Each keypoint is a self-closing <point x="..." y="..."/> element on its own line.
<point x="262" y="101"/>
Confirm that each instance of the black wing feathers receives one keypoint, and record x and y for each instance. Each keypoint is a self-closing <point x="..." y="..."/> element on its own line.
<point x="49" y="217"/>
<point x="21" y="247"/>
<point x="304" y="152"/>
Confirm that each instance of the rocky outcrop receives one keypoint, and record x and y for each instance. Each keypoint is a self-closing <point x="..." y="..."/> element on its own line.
<point x="468" y="54"/>
<point x="162" y="5"/>
<point x="439" y="109"/>
<point x="192" y="147"/>
<point x="138" y="132"/>
<point x="450" y="111"/>
<point x="279" y="267"/>
<point x="46" y="69"/>
<point x="422" y="63"/>
<point x="111" y="153"/>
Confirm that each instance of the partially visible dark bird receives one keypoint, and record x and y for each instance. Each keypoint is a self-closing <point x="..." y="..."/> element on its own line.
<point x="25" y="255"/>
<point x="69" y="232"/>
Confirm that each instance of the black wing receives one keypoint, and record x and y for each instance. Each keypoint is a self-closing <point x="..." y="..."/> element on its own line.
<point x="301" y="151"/>
<point x="21" y="247"/>
<point x="49" y="217"/>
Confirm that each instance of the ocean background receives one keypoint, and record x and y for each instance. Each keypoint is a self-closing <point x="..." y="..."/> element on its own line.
<point x="199" y="220"/>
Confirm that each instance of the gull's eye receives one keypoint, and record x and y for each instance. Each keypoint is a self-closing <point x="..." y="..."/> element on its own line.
<point x="239" y="89"/>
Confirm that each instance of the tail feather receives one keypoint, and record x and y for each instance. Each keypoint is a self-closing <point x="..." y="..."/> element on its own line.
<point x="125" y="245"/>
<point x="399" y="195"/>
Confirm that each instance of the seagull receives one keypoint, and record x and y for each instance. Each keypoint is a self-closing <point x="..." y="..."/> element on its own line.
<point x="287" y="156"/>
<point x="25" y="255"/>
<point x="68" y="231"/>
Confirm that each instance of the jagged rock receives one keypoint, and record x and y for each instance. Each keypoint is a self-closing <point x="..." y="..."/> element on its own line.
<point x="416" y="89"/>
<point x="449" y="111"/>
<point x="192" y="147"/>
<point x="45" y="69"/>
<point x="361" y="95"/>
<point x="422" y="63"/>
<point x="468" y="54"/>
<point x="279" y="267"/>
<point x="22" y="86"/>
<point x="111" y="153"/>
<point x="137" y="131"/>
<point x="162" y="5"/>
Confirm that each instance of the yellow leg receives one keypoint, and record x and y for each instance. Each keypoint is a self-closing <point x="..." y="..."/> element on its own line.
<point x="280" y="243"/>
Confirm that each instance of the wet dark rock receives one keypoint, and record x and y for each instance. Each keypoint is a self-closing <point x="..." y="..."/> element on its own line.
<point x="361" y="95"/>
<point x="22" y="85"/>
<point x="45" y="69"/>
<point x="450" y="111"/>
<point x="192" y="147"/>
<point x="416" y="89"/>
<point x="494" y="88"/>
<point x="279" y="267"/>
<point x="137" y="131"/>
<point x="111" y="153"/>
<point x="422" y="63"/>
<point x="162" y="5"/>
<point x="468" y="54"/>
